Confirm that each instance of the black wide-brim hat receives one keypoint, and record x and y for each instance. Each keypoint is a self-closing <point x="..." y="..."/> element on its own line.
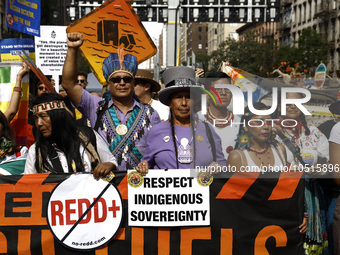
<point x="334" y="107"/>
<point x="177" y="79"/>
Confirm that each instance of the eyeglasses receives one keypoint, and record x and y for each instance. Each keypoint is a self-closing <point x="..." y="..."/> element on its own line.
<point x="42" y="88"/>
<point x="117" y="79"/>
<point x="82" y="81"/>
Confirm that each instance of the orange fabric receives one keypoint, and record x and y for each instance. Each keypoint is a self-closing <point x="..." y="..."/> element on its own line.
<point x="237" y="185"/>
<point x="164" y="241"/>
<point x="24" y="242"/>
<point x="270" y="231"/>
<point x="286" y="186"/>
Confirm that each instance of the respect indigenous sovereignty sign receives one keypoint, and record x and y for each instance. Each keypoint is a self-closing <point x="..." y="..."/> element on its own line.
<point x="249" y="215"/>
<point x="167" y="198"/>
<point x="24" y="16"/>
<point x="113" y="24"/>
<point x="8" y="73"/>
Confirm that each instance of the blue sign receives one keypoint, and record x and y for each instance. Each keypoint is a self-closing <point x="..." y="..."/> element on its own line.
<point x="24" y="16"/>
<point x="10" y="49"/>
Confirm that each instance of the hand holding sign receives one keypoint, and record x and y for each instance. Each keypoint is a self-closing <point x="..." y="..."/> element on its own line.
<point x="143" y="167"/>
<point x="103" y="169"/>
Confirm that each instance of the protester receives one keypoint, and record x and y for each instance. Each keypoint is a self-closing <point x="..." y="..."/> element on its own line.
<point x="119" y="118"/>
<point x="82" y="79"/>
<point x="334" y="152"/>
<point x="183" y="141"/>
<point x="330" y="188"/>
<point x="145" y="86"/>
<point x="313" y="150"/>
<point x="225" y="123"/>
<point x="61" y="145"/>
<point x="255" y="150"/>
<point x="41" y="88"/>
<point x="12" y="157"/>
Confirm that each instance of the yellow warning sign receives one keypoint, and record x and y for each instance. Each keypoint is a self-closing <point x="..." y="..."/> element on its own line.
<point x="113" y="24"/>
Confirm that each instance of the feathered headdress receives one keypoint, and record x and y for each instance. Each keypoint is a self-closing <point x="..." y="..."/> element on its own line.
<point x="117" y="62"/>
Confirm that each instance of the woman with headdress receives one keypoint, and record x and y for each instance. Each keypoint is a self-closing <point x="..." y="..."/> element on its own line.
<point x="306" y="145"/>
<point x="12" y="157"/>
<point x="183" y="141"/>
<point x="255" y="150"/>
<point x="61" y="145"/>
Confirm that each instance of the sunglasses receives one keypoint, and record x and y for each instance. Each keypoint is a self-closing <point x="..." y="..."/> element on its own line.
<point x="82" y="81"/>
<point x="42" y="88"/>
<point x="126" y="79"/>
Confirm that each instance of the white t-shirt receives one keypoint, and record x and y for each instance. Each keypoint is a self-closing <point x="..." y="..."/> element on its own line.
<point x="335" y="134"/>
<point x="312" y="147"/>
<point x="103" y="152"/>
<point x="227" y="134"/>
<point x="162" y="110"/>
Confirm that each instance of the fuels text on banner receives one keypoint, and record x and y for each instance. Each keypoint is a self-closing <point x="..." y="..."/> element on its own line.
<point x="248" y="216"/>
<point x="24" y="16"/>
<point x="168" y="199"/>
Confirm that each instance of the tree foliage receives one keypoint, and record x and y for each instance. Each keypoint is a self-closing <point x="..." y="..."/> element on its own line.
<point x="261" y="58"/>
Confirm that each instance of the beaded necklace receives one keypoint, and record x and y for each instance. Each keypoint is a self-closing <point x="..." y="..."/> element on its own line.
<point x="258" y="153"/>
<point x="220" y="123"/>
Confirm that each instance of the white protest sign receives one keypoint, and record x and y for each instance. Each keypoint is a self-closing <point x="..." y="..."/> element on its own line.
<point x="51" y="49"/>
<point x="167" y="199"/>
<point x="84" y="213"/>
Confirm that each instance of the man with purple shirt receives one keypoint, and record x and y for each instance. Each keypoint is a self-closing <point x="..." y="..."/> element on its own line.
<point x="122" y="121"/>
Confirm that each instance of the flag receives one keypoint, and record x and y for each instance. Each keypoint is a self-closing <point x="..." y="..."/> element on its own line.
<point x="8" y="73"/>
<point x="245" y="81"/>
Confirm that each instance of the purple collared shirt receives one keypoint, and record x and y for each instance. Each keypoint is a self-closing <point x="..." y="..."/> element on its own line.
<point x="160" y="151"/>
<point x="88" y="106"/>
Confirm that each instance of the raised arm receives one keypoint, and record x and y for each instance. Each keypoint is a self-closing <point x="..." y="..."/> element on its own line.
<point x="15" y="99"/>
<point x="73" y="90"/>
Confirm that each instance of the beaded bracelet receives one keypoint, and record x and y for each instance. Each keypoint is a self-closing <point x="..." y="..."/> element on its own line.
<point x="18" y="89"/>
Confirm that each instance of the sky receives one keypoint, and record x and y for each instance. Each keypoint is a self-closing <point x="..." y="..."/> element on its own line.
<point x="154" y="29"/>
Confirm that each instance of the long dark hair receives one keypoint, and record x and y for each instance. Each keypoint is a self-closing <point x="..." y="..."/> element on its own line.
<point x="64" y="136"/>
<point x="248" y="115"/>
<point x="277" y="114"/>
<point x="7" y="132"/>
<point x="192" y="123"/>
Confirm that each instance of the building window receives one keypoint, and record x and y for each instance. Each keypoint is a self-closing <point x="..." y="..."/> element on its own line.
<point x="199" y="37"/>
<point x="199" y="46"/>
<point x="199" y="29"/>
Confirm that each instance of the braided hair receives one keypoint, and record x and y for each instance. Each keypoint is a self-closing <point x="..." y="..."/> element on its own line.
<point x="192" y="125"/>
<point x="174" y="137"/>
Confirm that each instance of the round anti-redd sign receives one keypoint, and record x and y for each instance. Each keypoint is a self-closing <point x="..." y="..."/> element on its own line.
<point x="84" y="213"/>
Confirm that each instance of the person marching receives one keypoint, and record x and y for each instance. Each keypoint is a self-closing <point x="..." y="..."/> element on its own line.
<point x="12" y="157"/>
<point x="254" y="148"/>
<point x="144" y="87"/>
<point x="61" y="145"/>
<point x="183" y="141"/>
<point x="224" y="122"/>
<point x="306" y="145"/>
<point x="122" y="121"/>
